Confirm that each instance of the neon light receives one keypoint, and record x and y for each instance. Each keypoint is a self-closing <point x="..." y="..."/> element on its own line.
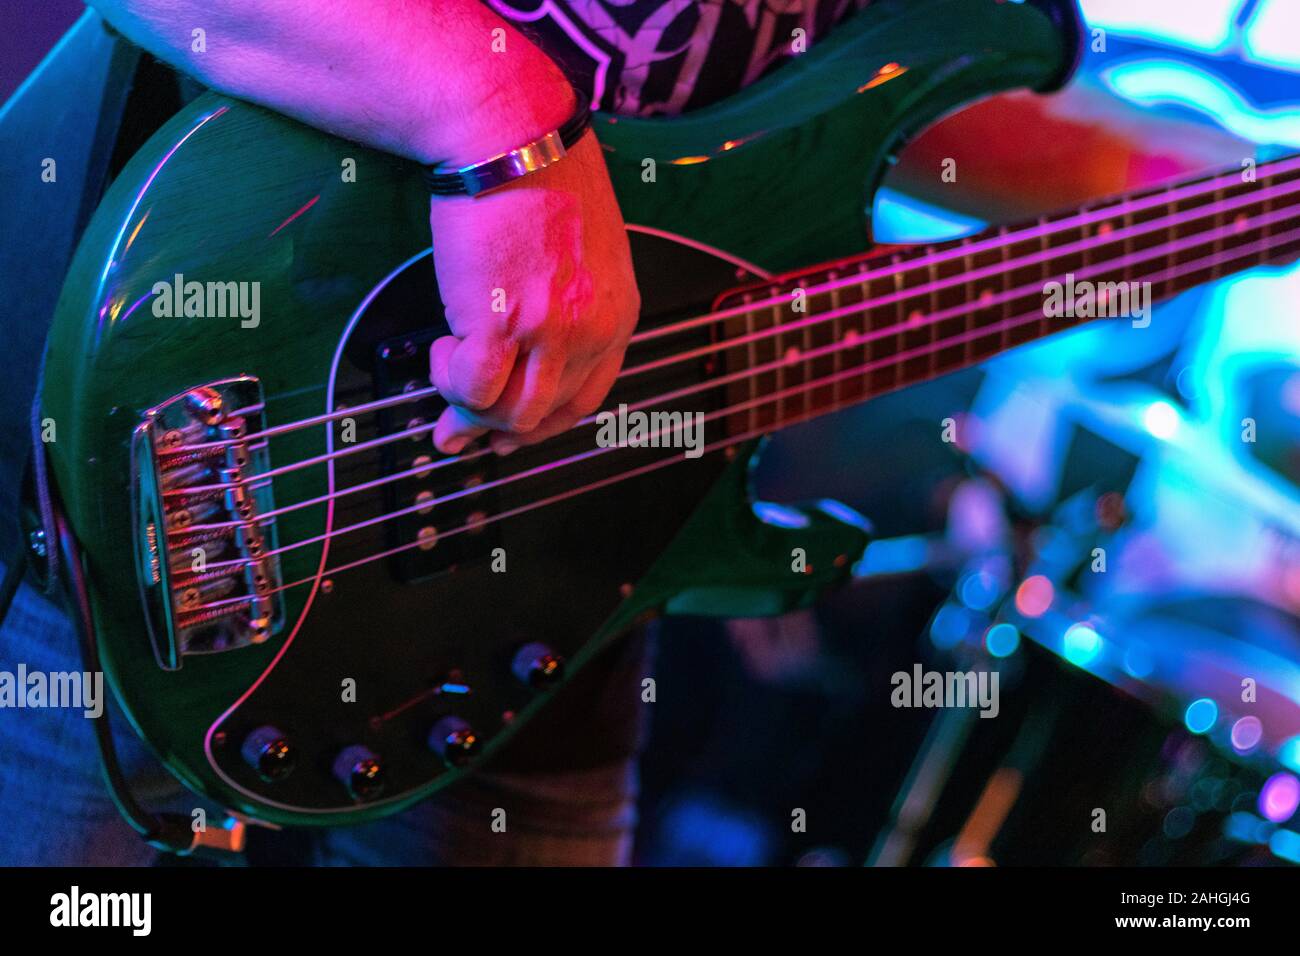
<point x="1279" y="797"/>
<point x="1035" y="596"/>
<point x="1200" y="24"/>
<point x="1273" y="34"/>
<point x="1152" y="83"/>
<point x="1082" y="645"/>
<point x="1201" y="715"/>
<point x="1246" y="734"/>
<point x="898" y="217"/>
<point x="1002" y="640"/>
<point x="1161" y="419"/>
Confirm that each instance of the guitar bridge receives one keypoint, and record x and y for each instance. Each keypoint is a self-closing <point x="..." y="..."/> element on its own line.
<point x="209" y="577"/>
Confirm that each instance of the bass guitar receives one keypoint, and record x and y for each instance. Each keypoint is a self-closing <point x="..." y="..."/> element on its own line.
<point x="315" y="618"/>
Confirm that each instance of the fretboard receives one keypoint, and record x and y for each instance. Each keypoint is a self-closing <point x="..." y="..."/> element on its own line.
<point x="842" y="333"/>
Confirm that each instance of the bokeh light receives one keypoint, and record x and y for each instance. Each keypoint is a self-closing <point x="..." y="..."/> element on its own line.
<point x="1034" y="596"/>
<point x="1279" y="797"/>
<point x="1201" y="715"/>
<point x="1246" y="734"/>
<point x="1002" y="640"/>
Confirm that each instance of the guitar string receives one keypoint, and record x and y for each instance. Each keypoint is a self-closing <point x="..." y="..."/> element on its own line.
<point x="999" y="241"/>
<point x="962" y="248"/>
<point x="858" y="340"/>
<point x="1198" y="265"/>
<point x="995" y="270"/>
<point x="783" y="328"/>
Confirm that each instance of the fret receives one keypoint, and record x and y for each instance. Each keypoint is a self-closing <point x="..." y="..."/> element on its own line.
<point x="1105" y="264"/>
<point x="1265" y="208"/>
<point x="860" y="323"/>
<point x="1045" y="273"/>
<point x="1151" y="239"/>
<point x="953" y="301"/>
<point x="837" y="336"/>
<point x="916" y="335"/>
<point x="786" y="376"/>
<point x="819" y="337"/>
<point x="981" y="312"/>
<point x="1217" y="269"/>
<point x="891" y="375"/>
<point x="932" y="274"/>
<point x="1171" y="259"/>
<point x="1128" y="223"/>
<point x="1031" y="276"/>
<point x="1085" y="260"/>
<point x="751" y="360"/>
<point x="763" y="352"/>
<point x="1204" y="227"/>
<point x="1005" y="311"/>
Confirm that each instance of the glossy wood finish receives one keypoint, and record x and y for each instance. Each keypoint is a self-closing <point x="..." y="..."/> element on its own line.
<point x="779" y="176"/>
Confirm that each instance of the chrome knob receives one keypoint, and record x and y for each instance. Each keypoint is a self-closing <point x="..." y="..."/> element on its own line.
<point x="454" y="741"/>
<point x="537" y="666"/>
<point x="268" y="751"/>
<point x="360" y="772"/>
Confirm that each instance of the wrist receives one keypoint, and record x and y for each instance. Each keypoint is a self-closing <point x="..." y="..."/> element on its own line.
<point x="509" y="115"/>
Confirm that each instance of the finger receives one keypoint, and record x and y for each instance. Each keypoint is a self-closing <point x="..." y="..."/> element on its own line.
<point x="472" y="372"/>
<point x="454" y="430"/>
<point x="585" y="400"/>
<point x="538" y="388"/>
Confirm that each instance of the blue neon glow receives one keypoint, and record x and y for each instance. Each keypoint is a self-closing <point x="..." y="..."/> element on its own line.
<point x="1285" y="844"/>
<point x="780" y="516"/>
<point x="1155" y="83"/>
<point x="898" y="217"/>
<point x="1289" y="754"/>
<point x="1002" y="640"/>
<point x="1082" y="644"/>
<point x="893" y="556"/>
<point x="1273" y="34"/>
<point x="978" y="590"/>
<point x="1207" y="27"/>
<point x="1201" y="715"/>
<point x="1138" y="662"/>
<point x="949" y="626"/>
<point x="1242" y="826"/>
<point x="1161" y="419"/>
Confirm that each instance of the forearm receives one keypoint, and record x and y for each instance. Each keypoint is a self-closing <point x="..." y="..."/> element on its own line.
<point x="419" y="78"/>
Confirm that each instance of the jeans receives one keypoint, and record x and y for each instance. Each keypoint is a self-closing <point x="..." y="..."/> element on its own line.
<point x="56" y="812"/>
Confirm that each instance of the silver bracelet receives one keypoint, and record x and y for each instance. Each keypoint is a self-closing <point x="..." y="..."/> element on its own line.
<point x="478" y="178"/>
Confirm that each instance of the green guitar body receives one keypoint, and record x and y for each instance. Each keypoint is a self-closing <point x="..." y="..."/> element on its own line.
<point x="336" y="236"/>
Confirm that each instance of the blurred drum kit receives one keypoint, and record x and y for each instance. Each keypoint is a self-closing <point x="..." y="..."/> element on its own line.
<point x="1131" y="508"/>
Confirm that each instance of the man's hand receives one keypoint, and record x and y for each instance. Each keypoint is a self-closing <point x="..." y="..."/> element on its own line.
<point x="537" y="283"/>
<point x="450" y="82"/>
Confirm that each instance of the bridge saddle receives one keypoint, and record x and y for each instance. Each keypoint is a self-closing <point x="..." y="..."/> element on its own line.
<point x="209" y="576"/>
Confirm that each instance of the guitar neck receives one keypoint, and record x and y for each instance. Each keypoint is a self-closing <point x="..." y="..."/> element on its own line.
<point x="843" y="333"/>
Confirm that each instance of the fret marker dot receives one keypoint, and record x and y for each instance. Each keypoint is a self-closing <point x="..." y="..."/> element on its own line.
<point x="1104" y="229"/>
<point x="986" y="297"/>
<point x="851" y="336"/>
<point x="792" y="354"/>
<point x="915" y="318"/>
<point x="1239" y="224"/>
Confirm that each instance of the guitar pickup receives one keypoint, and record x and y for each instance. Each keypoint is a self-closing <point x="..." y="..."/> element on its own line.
<point x="209" y="576"/>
